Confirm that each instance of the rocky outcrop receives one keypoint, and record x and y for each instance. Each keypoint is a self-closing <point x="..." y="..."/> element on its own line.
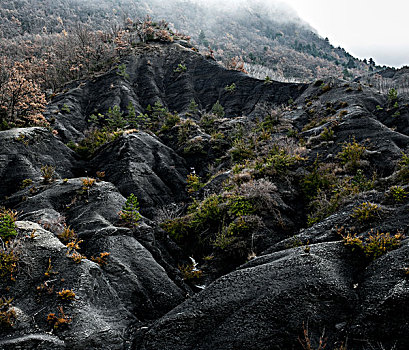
<point x="279" y="231"/>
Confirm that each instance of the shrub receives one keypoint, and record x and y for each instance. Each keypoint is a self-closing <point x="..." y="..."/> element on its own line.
<point x="67" y="234"/>
<point x="102" y="259"/>
<point x="94" y="139"/>
<point x="66" y="295"/>
<point x="7" y="224"/>
<point x="190" y="272"/>
<point x="193" y="107"/>
<point x="223" y="239"/>
<point x="279" y="161"/>
<point x="218" y="109"/>
<point x="397" y="193"/>
<point x="181" y="68"/>
<point x="26" y="183"/>
<point x="47" y="171"/>
<point x="351" y="153"/>
<point x="375" y="245"/>
<point x="58" y="321"/>
<point x="7" y="313"/>
<point x="8" y="261"/>
<point x="193" y="183"/>
<point x="268" y="80"/>
<point x="392" y="96"/>
<point x="327" y="134"/>
<point x="325" y="88"/>
<point x="121" y="71"/>
<point x="365" y="212"/>
<point x="170" y="121"/>
<point x="241" y="151"/>
<point x="230" y="88"/>
<point x="129" y="214"/>
<point x="65" y="108"/>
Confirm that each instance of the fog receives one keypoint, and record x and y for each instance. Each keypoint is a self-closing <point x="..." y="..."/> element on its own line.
<point x="365" y="28"/>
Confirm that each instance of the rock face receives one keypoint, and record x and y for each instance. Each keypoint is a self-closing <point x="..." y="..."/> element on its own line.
<point x="153" y="76"/>
<point x="301" y="226"/>
<point x="141" y="164"/>
<point x="24" y="151"/>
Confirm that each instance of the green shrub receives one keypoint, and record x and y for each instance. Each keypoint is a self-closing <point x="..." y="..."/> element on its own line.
<point x="278" y="162"/>
<point x="8" y="262"/>
<point x="392" y="96"/>
<point x="230" y="88"/>
<point x="181" y="68"/>
<point x="193" y="183"/>
<point x="47" y="171"/>
<point x="65" y="108"/>
<point x="241" y="151"/>
<point x="375" y="245"/>
<point x="268" y="80"/>
<point x="7" y="224"/>
<point x="365" y="212"/>
<point x="398" y="193"/>
<point x="170" y="121"/>
<point x="327" y="134"/>
<point x="94" y="139"/>
<point x="7" y="313"/>
<point x="218" y="109"/>
<point x="129" y="214"/>
<point x="239" y="206"/>
<point x="320" y="178"/>
<point x="351" y="153"/>
<point x="121" y="71"/>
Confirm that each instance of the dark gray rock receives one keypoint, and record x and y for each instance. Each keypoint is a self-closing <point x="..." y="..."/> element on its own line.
<point x="24" y="151"/>
<point x="139" y="163"/>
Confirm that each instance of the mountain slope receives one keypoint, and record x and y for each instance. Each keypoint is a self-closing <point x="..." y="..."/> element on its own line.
<point x="295" y="213"/>
<point x="270" y="39"/>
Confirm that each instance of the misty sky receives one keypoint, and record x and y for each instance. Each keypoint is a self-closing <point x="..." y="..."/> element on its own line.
<point x="365" y="28"/>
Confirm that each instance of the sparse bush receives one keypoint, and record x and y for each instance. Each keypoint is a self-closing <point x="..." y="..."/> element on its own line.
<point x="58" y="321"/>
<point x="67" y="234"/>
<point x="351" y="154"/>
<point x="94" y="139"/>
<point x="230" y="88"/>
<point x="375" y="245"/>
<point x="66" y="295"/>
<point x="392" y="96"/>
<point x="327" y="134"/>
<point x="397" y="193"/>
<point x="65" y="108"/>
<point x="9" y="257"/>
<point x="365" y="212"/>
<point x="7" y="313"/>
<point x="7" y="224"/>
<point x="102" y="259"/>
<point x="190" y="272"/>
<point x="193" y="183"/>
<point x="129" y="214"/>
<point x="121" y="71"/>
<point x="218" y="109"/>
<point x="181" y="68"/>
<point x="241" y="151"/>
<point x="26" y="183"/>
<point x="47" y="171"/>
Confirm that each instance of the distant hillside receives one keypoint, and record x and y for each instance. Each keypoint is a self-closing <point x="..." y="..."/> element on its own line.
<point x="264" y="41"/>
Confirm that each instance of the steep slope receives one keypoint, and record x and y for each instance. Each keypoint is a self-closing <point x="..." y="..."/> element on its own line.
<point x="270" y="38"/>
<point x="294" y="215"/>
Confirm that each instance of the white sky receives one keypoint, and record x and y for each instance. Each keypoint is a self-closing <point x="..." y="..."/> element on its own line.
<point x="365" y="28"/>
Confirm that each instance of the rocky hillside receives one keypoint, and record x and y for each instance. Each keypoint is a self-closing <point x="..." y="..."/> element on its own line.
<point x="267" y="39"/>
<point x="174" y="204"/>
